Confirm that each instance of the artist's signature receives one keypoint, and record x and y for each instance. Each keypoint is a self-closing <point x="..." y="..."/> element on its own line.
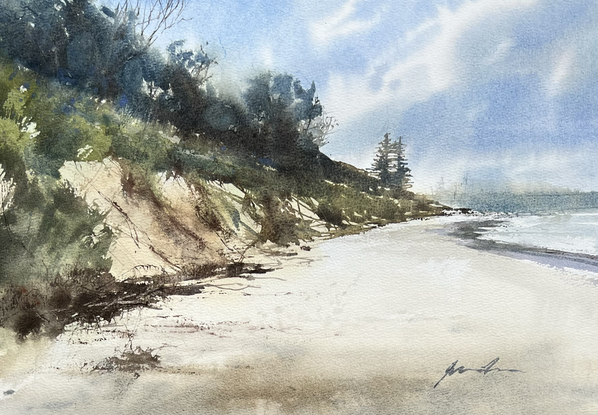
<point x="490" y="367"/>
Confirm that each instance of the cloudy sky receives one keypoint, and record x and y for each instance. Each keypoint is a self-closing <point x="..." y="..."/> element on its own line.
<point x="495" y="93"/>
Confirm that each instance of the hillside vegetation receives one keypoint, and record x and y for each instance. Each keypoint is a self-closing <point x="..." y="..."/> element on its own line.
<point x="124" y="172"/>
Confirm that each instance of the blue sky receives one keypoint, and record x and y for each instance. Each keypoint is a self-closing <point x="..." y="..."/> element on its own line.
<point x="498" y="93"/>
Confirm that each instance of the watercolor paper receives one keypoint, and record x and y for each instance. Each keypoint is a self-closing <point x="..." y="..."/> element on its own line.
<point x="298" y="207"/>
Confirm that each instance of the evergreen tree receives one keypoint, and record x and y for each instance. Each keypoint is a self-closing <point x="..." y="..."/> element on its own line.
<point x="401" y="174"/>
<point x="390" y="164"/>
<point x="384" y="161"/>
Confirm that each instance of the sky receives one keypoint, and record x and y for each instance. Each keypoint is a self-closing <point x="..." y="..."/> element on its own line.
<point x="487" y="94"/>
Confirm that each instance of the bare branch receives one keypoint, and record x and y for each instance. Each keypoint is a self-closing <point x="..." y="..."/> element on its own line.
<point x="151" y="19"/>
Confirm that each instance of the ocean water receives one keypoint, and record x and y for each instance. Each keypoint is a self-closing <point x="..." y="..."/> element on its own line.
<point x="573" y="232"/>
<point x="531" y="203"/>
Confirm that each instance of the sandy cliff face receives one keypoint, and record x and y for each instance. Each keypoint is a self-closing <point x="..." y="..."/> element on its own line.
<point x="152" y="236"/>
<point x="176" y="224"/>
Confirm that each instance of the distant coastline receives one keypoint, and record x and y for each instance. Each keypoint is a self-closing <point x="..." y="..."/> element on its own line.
<point x="521" y="203"/>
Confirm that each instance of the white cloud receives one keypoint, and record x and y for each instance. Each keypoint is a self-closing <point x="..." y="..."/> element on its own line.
<point x="561" y="72"/>
<point x="569" y="63"/>
<point x="267" y="56"/>
<point x="500" y="52"/>
<point x="505" y="93"/>
<point x="423" y="28"/>
<point x="513" y="169"/>
<point x="435" y="67"/>
<point x="551" y="166"/>
<point x="341" y="24"/>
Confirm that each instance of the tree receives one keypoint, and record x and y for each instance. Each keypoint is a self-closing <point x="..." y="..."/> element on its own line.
<point x="128" y="33"/>
<point x="390" y="165"/>
<point x="384" y="160"/>
<point x="197" y="62"/>
<point x="81" y="44"/>
<point x="401" y="176"/>
<point x="271" y="98"/>
<point x="148" y="19"/>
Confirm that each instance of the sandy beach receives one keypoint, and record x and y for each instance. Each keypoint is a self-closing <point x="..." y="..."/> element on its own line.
<point x="363" y="324"/>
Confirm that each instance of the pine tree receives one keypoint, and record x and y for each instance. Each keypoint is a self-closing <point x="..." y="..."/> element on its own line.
<point x="384" y="161"/>
<point x="390" y="164"/>
<point x="401" y="175"/>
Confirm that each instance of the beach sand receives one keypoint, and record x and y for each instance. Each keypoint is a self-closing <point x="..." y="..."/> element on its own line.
<point x="364" y="324"/>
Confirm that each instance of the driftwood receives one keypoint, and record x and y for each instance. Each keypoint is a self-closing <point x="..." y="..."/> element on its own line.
<point x="83" y="296"/>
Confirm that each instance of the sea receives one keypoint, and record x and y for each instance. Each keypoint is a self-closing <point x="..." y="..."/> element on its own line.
<point x="558" y="230"/>
<point x="571" y="232"/>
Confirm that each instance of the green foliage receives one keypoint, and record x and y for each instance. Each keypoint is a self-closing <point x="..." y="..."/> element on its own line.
<point x="71" y="128"/>
<point x="72" y="233"/>
<point x="14" y="104"/>
<point x="12" y="139"/>
<point x="16" y="130"/>
<point x="17" y="89"/>
<point x="46" y="226"/>
<point x="42" y="125"/>
<point x="144" y="144"/>
<point x="278" y="224"/>
<point x="331" y="213"/>
<point x="59" y="232"/>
